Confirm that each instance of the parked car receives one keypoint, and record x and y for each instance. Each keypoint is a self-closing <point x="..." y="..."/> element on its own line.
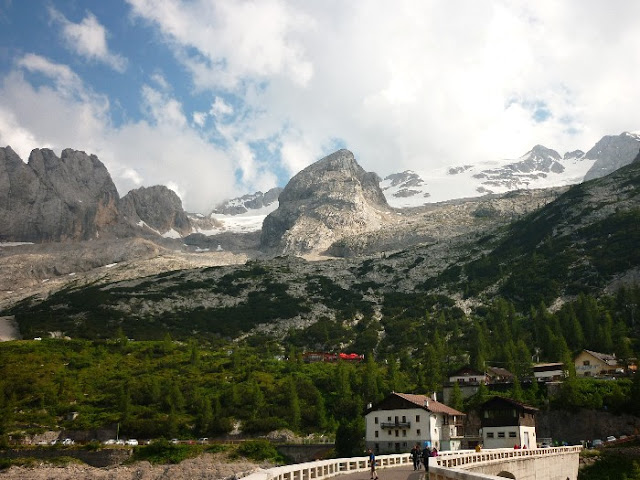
<point x="119" y="442"/>
<point x="596" y="443"/>
<point x="68" y="441"/>
<point x="611" y="438"/>
<point x="544" y="445"/>
<point x="132" y="442"/>
<point x="203" y="440"/>
<point x="111" y="441"/>
<point x="175" y="441"/>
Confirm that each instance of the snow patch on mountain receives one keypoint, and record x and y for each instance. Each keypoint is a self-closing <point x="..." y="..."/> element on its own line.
<point x="539" y="168"/>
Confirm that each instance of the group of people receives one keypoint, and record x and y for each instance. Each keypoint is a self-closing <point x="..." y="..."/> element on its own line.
<point x="421" y="456"/>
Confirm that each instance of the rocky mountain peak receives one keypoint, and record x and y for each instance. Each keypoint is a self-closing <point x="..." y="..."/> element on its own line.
<point x="55" y="199"/>
<point x="611" y="153"/>
<point x="542" y="152"/>
<point x="324" y="202"/>
<point x="158" y="207"/>
<point x="247" y="203"/>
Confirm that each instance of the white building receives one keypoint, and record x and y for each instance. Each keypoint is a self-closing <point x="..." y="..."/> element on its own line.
<point x="401" y="420"/>
<point x="507" y="423"/>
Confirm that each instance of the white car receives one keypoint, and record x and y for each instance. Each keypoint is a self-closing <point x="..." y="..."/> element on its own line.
<point x="111" y="441"/>
<point x="132" y="442"/>
<point x="68" y="441"/>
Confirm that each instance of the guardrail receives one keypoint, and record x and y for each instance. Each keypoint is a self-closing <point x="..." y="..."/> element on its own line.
<point x="321" y="469"/>
<point x="448" y="465"/>
<point x="468" y="458"/>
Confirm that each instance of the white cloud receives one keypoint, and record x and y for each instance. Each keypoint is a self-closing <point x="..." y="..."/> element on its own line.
<point x="220" y="108"/>
<point x="234" y="39"/>
<point x="88" y="39"/>
<point x="161" y="149"/>
<point x="411" y="84"/>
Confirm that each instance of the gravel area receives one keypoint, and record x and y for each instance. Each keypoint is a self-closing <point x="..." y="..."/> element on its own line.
<point x="205" y="467"/>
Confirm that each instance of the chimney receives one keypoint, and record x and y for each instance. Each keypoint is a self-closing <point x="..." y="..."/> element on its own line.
<point x="435" y="398"/>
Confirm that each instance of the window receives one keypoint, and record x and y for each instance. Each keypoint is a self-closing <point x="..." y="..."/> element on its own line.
<point x="489" y="434"/>
<point x="417" y="418"/>
<point x="397" y="433"/>
<point x="376" y="433"/>
<point x="389" y="418"/>
<point x="389" y="432"/>
<point x="586" y="363"/>
<point x="418" y="432"/>
<point x="376" y="420"/>
<point x="404" y="419"/>
<point x="500" y="434"/>
<point x="512" y="434"/>
<point x="404" y="433"/>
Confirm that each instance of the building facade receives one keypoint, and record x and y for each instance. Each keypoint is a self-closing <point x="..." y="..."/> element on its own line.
<point x="401" y="420"/>
<point x="507" y="423"/>
<point x="549" y="372"/>
<point x="594" y="364"/>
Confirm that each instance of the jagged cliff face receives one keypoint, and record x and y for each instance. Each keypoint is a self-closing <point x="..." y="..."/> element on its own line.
<point x="612" y="152"/>
<point x="73" y="198"/>
<point x="55" y="199"/>
<point x="158" y="207"/>
<point x="329" y="199"/>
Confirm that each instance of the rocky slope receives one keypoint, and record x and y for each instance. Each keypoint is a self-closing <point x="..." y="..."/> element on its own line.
<point x="611" y="153"/>
<point x="329" y="199"/>
<point x="586" y="239"/>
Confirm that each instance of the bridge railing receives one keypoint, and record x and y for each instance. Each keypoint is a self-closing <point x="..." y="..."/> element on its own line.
<point x="448" y="465"/>
<point x="321" y="469"/>
<point x="469" y="458"/>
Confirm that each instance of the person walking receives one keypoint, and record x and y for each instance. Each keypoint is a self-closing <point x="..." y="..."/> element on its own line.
<point x="372" y="462"/>
<point x="415" y="456"/>
<point x="426" y="453"/>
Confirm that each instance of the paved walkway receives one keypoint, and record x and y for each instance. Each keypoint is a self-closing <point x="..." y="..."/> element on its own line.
<point x="403" y="472"/>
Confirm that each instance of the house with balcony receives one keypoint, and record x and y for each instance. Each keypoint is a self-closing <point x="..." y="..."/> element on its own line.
<point x="401" y="420"/>
<point x="594" y="364"/>
<point x="506" y="423"/>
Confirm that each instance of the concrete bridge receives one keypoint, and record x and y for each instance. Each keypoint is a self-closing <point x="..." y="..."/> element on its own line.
<point x="559" y="463"/>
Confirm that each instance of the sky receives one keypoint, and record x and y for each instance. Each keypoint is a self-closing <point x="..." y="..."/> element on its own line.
<point x="218" y="98"/>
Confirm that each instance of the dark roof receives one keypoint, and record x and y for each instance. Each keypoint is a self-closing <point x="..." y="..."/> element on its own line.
<point x="500" y="372"/>
<point x="510" y="401"/>
<point x="467" y="370"/>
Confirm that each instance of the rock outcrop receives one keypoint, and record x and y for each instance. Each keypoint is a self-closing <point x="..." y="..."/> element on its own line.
<point x="55" y="199"/>
<point x="612" y="152"/>
<point x="158" y="207"/>
<point x="73" y="198"/>
<point x="247" y="203"/>
<point x="329" y="199"/>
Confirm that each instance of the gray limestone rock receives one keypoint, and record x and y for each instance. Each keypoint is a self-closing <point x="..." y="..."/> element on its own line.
<point x="611" y="153"/>
<point x="158" y="207"/>
<point x="55" y="199"/>
<point x="327" y="200"/>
